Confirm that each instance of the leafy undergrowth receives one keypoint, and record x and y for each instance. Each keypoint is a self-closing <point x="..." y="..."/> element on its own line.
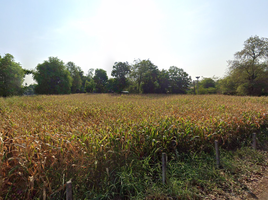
<point x="111" y="145"/>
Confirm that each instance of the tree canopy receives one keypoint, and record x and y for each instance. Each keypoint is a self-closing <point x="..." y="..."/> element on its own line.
<point x="120" y="71"/>
<point x="100" y="79"/>
<point x="11" y="76"/>
<point x="179" y="80"/>
<point x="144" y="74"/>
<point x="77" y="75"/>
<point x="248" y="72"/>
<point x="52" y="77"/>
<point x="247" y="75"/>
<point x="207" y="86"/>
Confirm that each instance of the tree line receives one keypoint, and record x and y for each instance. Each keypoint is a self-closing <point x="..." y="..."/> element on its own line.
<point x="55" y="77"/>
<point x="247" y="75"/>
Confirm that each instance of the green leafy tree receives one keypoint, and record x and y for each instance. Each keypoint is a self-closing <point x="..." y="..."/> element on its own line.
<point x="150" y="79"/>
<point x="145" y="74"/>
<point x="207" y="86"/>
<point x="207" y="83"/>
<point x="27" y="71"/>
<point x="227" y="86"/>
<point x="138" y="71"/>
<point x="90" y="74"/>
<point x="85" y="78"/>
<point x="52" y="77"/>
<point x="248" y="69"/>
<point x="90" y="86"/>
<point x="29" y="90"/>
<point x="11" y="76"/>
<point x="179" y="80"/>
<point x="112" y="85"/>
<point x="132" y="85"/>
<point x="77" y="75"/>
<point x="100" y="78"/>
<point x="120" y="71"/>
<point x="163" y="82"/>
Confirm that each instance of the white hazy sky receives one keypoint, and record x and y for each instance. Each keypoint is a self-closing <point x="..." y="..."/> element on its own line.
<point x="198" y="36"/>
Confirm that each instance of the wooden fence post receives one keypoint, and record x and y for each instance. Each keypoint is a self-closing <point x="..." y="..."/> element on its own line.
<point x="44" y="193"/>
<point x="164" y="167"/>
<point x="254" y="143"/>
<point x="217" y="154"/>
<point x="69" y="193"/>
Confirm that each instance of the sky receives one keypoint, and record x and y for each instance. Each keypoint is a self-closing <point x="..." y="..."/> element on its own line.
<point x="199" y="36"/>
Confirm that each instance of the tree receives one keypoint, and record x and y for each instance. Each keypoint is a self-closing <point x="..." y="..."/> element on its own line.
<point x="248" y="69"/>
<point x="145" y="74"/>
<point x="113" y="85"/>
<point x="11" y="76"/>
<point x="227" y="86"/>
<point x="52" y="77"/>
<point x="27" y="71"/>
<point x="77" y="75"/>
<point x="138" y="71"/>
<point x="100" y="79"/>
<point x="90" y="86"/>
<point x="163" y="82"/>
<point x="207" y="83"/>
<point x="150" y="79"/>
<point x="207" y="86"/>
<point x="29" y="90"/>
<point x="90" y="74"/>
<point x="179" y="80"/>
<point x="86" y="78"/>
<point x="120" y="72"/>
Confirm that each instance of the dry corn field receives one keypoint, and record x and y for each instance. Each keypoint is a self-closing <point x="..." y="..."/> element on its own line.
<point x="48" y="140"/>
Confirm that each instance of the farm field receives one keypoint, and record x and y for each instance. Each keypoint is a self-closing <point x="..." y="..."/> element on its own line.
<point x="93" y="138"/>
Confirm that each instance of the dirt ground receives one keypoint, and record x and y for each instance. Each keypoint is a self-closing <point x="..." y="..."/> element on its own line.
<point x="260" y="190"/>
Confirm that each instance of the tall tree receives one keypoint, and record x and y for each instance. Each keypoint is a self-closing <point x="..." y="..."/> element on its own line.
<point x="120" y="72"/>
<point x="90" y="86"/>
<point x="207" y="83"/>
<point x="163" y="82"/>
<point x="179" y="80"/>
<point x="249" y="66"/>
<point x="52" y="77"/>
<point x="90" y="74"/>
<point x="100" y="79"/>
<point x="11" y="76"/>
<point x="77" y="75"/>
<point x="113" y="85"/>
<point x="227" y="86"/>
<point x="150" y="79"/>
<point x="145" y="74"/>
<point x="207" y="86"/>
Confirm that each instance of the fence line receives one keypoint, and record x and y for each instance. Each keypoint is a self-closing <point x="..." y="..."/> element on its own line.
<point x="69" y="194"/>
